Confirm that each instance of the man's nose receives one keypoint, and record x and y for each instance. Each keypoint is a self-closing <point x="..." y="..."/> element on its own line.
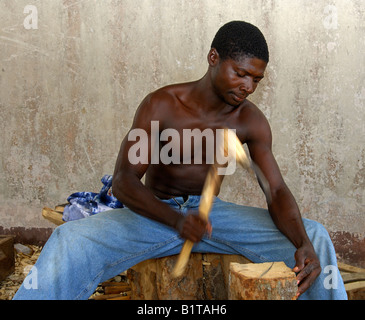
<point x="247" y="86"/>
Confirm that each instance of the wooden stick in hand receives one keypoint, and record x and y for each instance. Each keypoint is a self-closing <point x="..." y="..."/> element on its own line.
<point x="231" y="146"/>
<point x="210" y="185"/>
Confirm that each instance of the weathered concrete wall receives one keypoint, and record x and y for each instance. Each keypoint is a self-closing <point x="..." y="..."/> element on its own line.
<point x="69" y="89"/>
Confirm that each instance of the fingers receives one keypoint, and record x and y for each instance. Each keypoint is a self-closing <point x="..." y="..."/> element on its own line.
<point x="307" y="267"/>
<point x="300" y="256"/>
<point x="307" y="275"/>
<point x="194" y="227"/>
<point x="209" y="229"/>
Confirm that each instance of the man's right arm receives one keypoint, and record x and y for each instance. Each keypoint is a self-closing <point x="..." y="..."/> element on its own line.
<point x="129" y="189"/>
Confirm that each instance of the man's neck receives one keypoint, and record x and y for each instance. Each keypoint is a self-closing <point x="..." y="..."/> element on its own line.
<point x="203" y="92"/>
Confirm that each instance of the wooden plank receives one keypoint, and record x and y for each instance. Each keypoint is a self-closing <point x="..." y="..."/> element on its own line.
<point x="52" y="216"/>
<point x="348" y="268"/>
<point x="355" y="285"/>
<point x="114" y="284"/>
<point x="353" y="277"/>
<point x="106" y="296"/>
<point x="121" y="298"/>
<point x="61" y="207"/>
<point x="116" y="289"/>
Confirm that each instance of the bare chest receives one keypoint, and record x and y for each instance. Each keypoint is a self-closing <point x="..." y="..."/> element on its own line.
<point x="190" y="140"/>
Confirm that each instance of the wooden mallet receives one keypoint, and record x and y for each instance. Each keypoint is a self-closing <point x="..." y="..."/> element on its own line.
<point x="231" y="146"/>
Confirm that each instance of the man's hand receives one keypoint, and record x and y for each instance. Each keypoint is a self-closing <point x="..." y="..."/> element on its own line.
<point x="307" y="267"/>
<point x="192" y="227"/>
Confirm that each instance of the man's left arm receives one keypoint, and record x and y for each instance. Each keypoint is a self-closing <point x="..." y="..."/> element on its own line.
<point x="283" y="207"/>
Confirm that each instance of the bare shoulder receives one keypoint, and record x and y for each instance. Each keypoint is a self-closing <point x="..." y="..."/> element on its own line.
<point x="250" y="110"/>
<point x="162" y="101"/>
<point x="256" y="123"/>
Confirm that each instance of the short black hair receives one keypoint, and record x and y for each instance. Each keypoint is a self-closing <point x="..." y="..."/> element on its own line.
<point x="237" y="39"/>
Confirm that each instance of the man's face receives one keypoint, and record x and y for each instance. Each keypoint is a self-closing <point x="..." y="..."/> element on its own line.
<point x="235" y="80"/>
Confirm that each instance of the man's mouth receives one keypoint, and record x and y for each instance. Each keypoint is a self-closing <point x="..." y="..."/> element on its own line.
<point x="239" y="97"/>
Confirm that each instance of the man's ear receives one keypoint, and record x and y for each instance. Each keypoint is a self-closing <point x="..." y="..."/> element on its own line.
<point x="213" y="57"/>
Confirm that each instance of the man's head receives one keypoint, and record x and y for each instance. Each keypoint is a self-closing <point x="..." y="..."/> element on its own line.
<point x="237" y="61"/>
<point x="237" y="39"/>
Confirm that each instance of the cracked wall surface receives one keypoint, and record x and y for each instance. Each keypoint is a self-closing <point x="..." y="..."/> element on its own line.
<point x="69" y="89"/>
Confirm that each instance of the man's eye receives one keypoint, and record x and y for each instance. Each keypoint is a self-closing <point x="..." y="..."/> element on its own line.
<point x="240" y="75"/>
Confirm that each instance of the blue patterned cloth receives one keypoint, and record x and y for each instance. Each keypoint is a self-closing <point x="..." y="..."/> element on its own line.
<point x="84" y="204"/>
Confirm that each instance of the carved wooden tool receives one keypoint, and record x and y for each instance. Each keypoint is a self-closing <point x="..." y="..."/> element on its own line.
<point x="233" y="147"/>
<point x="210" y="185"/>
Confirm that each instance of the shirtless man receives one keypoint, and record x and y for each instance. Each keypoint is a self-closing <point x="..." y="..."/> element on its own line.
<point x="161" y="213"/>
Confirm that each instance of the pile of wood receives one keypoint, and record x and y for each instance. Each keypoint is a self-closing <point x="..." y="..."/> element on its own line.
<point x="354" y="279"/>
<point x="116" y="288"/>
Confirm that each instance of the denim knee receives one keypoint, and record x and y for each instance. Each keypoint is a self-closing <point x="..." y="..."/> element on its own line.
<point x="58" y="233"/>
<point x="66" y="233"/>
<point x="315" y="227"/>
<point x="318" y="234"/>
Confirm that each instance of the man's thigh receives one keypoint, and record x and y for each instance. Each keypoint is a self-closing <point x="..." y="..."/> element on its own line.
<point x="247" y="231"/>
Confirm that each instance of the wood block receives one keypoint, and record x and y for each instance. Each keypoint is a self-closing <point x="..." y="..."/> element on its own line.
<point x="60" y="207"/>
<point x="204" y="278"/>
<point x="262" y="281"/>
<point x="53" y="216"/>
<point x="151" y="280"/>
<point x="7" y="260"/>
<point x="216" y="274"/>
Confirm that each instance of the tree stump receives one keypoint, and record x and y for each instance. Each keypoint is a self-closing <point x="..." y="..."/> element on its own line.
<point x="205" y="278"/>
<point x="262" y="281"/>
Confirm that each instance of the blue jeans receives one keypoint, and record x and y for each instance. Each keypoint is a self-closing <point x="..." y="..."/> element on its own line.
<point x="80" y="254"/>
